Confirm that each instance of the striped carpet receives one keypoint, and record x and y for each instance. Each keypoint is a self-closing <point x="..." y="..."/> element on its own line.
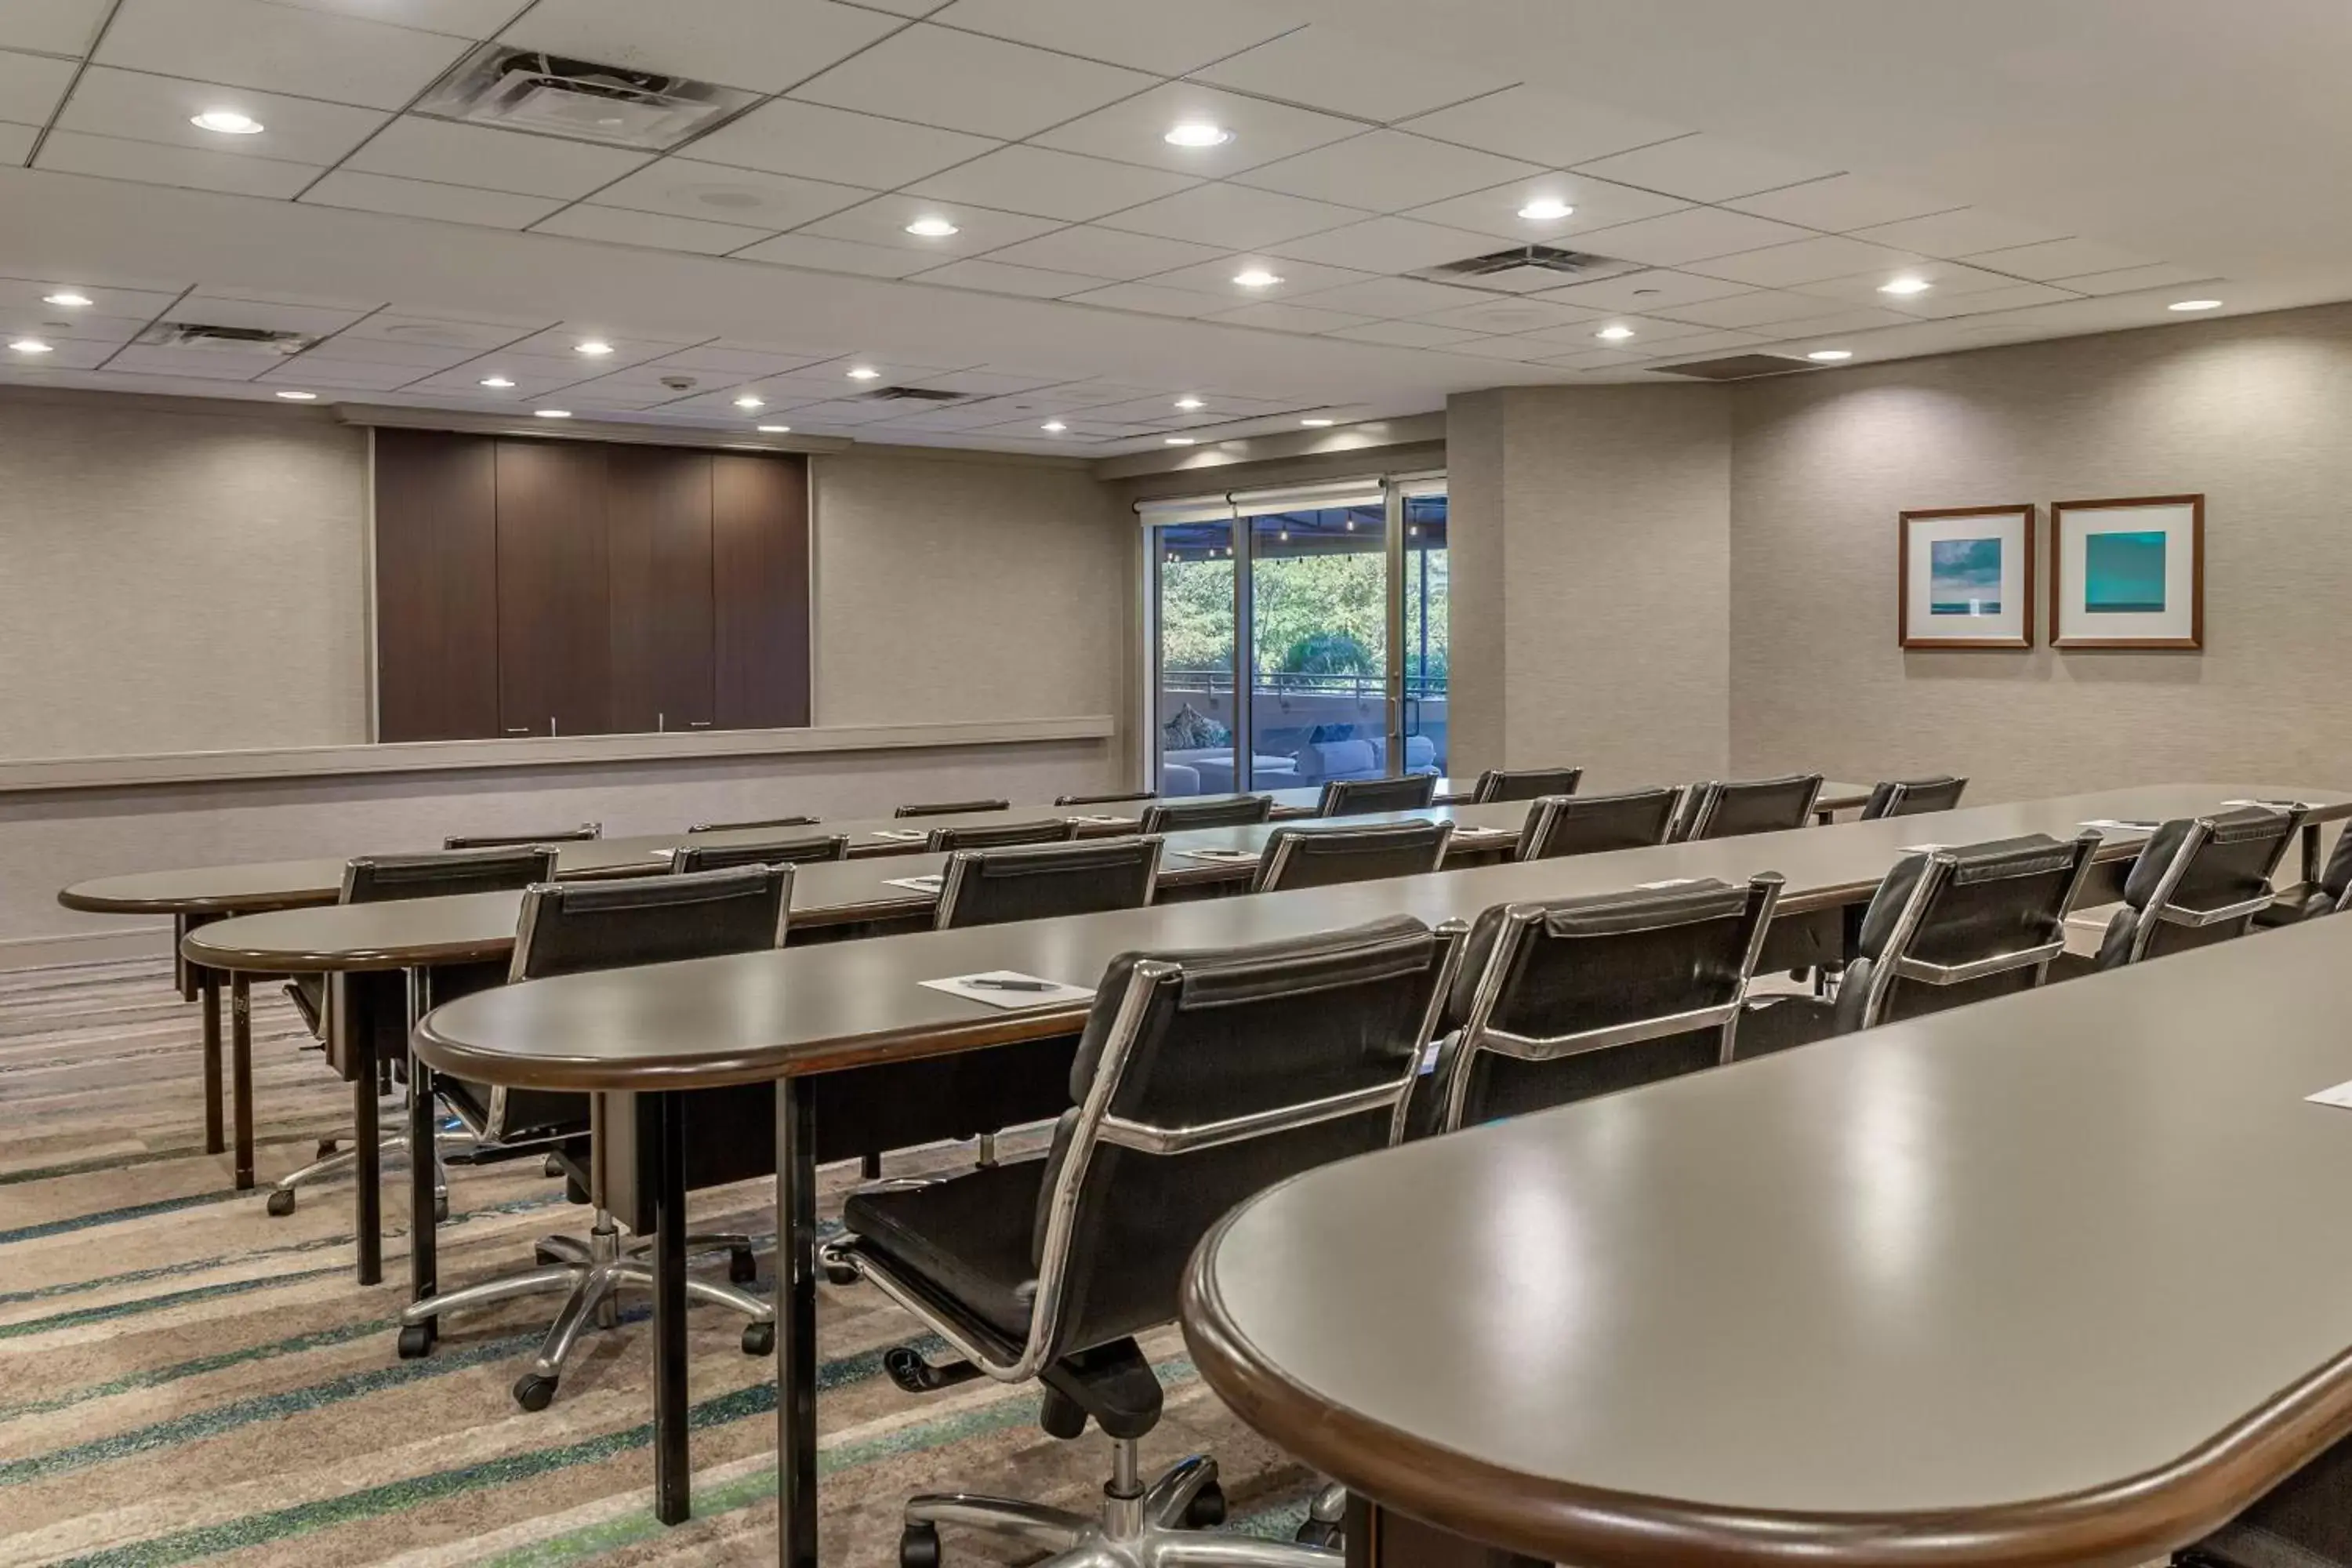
<point x="185" y="1379"/>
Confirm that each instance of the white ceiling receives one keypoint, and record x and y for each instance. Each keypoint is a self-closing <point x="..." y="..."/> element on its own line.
<point x="2050" y="167"/>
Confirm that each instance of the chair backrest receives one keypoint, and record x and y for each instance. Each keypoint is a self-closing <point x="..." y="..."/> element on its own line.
<point x="1950" y="926"/>
<point x="745" y="826"/>
<point x="1728" y="810"/>
<point x="381" y="879"/>
<point x="2336" y="876"/>
<point x="1128" y="797"/>
<point x="1573" y="998"/>
<point x="1355" y="797"/>
<point x="1203" y="1078"/>
<point x="1525" y="784"/>
<point x="2200" y="880"/>
<point x="1183" y="815"/>
<point x="989" y="887"/>
<point x="581" y="833"/>
<point x="805" y="851"/>
<point x="1913" y="797"/>
<point x="948" y="807"/>
<point x="998" y="835"/>
<point x="1320" y="857"/>
<point x="1594" y="824"/>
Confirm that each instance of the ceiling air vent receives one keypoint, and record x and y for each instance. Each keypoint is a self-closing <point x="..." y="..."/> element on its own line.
<point x="523" y="89"/>
<point x="910" y="395"/>
<point x="202" y="335"/>
<point x="1524" y="267"/>
<point x="1738" y="368"/>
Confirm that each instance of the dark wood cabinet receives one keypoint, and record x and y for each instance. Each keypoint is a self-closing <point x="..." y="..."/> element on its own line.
<point x="580" y="587"/>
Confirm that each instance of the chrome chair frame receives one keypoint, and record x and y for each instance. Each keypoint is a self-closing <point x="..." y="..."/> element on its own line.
<point x="1943" y="865"/>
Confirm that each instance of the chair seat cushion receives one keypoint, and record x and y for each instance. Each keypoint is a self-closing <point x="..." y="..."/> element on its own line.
<point x="1779" y="1022"/>
<point x="966" y="1237"/>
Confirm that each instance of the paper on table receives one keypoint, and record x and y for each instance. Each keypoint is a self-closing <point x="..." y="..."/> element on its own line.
<point x="1096" y="817"/>
<point x="1009" y="988"/>
<point x="1669" y="882"/>
<point x="1231" y="856"/>
<point x="930" y="884"/>
<point x="900" y="835"/>
<point x="2341" y="1095"/>
<point x="1921" y="848"/>
<point x="2103" y="822"/>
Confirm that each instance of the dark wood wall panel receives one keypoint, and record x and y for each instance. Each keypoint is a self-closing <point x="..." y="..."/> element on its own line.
<point x="554" y="618"/>
<point x="761" y="572"/>
<point x="436" y="595"/>
<point x="658" y="528"/>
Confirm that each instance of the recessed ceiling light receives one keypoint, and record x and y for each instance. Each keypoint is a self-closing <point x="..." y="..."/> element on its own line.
<point x="552" y="412"/>
<point x="932" y="228"/>
<point x="69" y="300"/>
<point x="1319" y="424"/>
<point x="300" y="397"/>
<point x="1905" y="285"/>
<point x="1053" y="425"/>
<point x="30" y="346"/>
<point x="595" y="348"/>
<point x="865" y="372"/>
<point x="775" y="429"/>
<point x="497" y="381"/>
<point x="1179" y="441"/>
<point x="1257" y="278"/>
<point x="1197" y="134"/>
<point x="1188" y="404"/>
<point x="747" y="401"/>
<point x="1614" y="334"/>
<point x="1547" y="209"/>
<point x="1830" y="356"/>
<point x="2195" y="305"/>
<point x="228" y="123"/>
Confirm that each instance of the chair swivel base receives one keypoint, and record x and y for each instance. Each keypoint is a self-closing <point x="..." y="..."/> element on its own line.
<point x="336" y="1160"/>
<point x="593" y="1273"/>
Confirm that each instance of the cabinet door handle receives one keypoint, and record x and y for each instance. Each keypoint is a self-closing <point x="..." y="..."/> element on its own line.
<point x="518" y="729"/>
<point x="698" y="723"/>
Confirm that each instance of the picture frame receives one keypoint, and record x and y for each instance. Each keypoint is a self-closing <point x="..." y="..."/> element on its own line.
<point x="2129" y="573"/>
<point x="1964" y="578"/>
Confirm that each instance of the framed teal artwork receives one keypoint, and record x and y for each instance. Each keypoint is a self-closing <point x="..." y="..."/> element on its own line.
<point x="2127" y="573"/>
<point x="1966" y="576"/>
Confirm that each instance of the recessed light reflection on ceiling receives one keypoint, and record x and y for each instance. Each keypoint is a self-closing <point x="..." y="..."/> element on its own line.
<point x="72" y="302"/>
<point x="1257" y="278"/>
<point x="1197" y="134"/>
<point x="1053" y="426"/>
<point x="227" y="122"/>
<point x="748" y="401"/>
<point x="1830" y="356"/>
<point x="300" y="397"/>
<point x="932" y="228"/>
<point x="499" y="382"/>
<point x="1179" y="441"/>
<point x="1905" y="285"/>
<point x="865" y="372"/>
<point x="30" y="346"/>
<point x="1188" y="404"/>
<point x="1319" y="424"/>
<point x="775" y="429"/>
<point x="1547" y="209"/>
<point x="2186" y="305"/>
<point x="552" y="412"/>
<point x="1614" y="334"/>
<point x="595" y="348"/>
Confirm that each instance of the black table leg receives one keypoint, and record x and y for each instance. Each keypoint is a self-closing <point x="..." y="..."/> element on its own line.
<point x="796" y="1323"/>
<point x="673" y="1467"/>
<point x="208" y="997"/>
<point x="2311" y="867"/>
<point x="240" y="1036"/>
<point x="423" y="1217"/>
<point x="367" y="1171"/>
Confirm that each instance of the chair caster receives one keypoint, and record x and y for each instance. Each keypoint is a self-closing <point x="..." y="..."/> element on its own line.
<point x="326" y="1148"/>
<point x="553" y="1166"/>
<point x="919" y="1546"/>
<point x="441" y="1209"/>
<point x="1207" y="1508"/>
<point x="838" y="1273"/>
<point x="415" y="1341"/>
<point x="758" y="1339"/>
<point x="908" y="1369"/>
<point x="741" y="1267"/>
<point x="533" y="1392"/>
<point x="281" y="1202"/>
<point x="1316" y="1533"/>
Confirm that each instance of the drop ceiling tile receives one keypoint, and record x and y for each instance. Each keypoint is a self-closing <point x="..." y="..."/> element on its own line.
<point x="208" y="365"/>
<point x="1806" y="261"/>
<point x="153" y="163"/>
<point x="421" y="199"/>
<point x="1150" y="299"/>
<point x="830" y="380"/>
<point x="533" y="376"/>
<point x="1385" y="298"/>
<point x="714" y="193"/>
<point x="786" y="136"/>
<point x="1842" y="203"/>
<point x="1760" y="308"/>
<point x="560" y="345"/>
<point x="1406" y="334"/>
<point x="2160" y="276"/>
<point x="987" y="382"/>
<point x="1051" y="183"/>
<point x="965" y="82"/>
<point x="2057" y="259"/>
<point x="1323" y="66"/>
<point x="1597" y="203"/>
<point x="127" y="303"/>
<point x="1518" y="350"/>
<point x="844" y="413"/>
<point x="144" y="107"/>
<point x="340" y="375"/>
<point x="1234" y="216"/>
<point x="1599" y="359"/>
<point x="1134" y="130"/>
<point x="30" y="87"/>
<point x="278" y="48"/>
<point x="1296" y="278"/>
<point x="1158" y="410"/>
<point x="883" y="221"/>
<point x="1508" y="316"/>
<point x="1940" y="306"/>
<point x="415" y="359"/>
<point x="225" y="310"/>
<point x="65" y="353"/>
<point x="433" y="332"/>
<point x="765" y="45"/>
<point x="1654" y="289"/>
<point x="416" y="148"/>
<point x="1685" y="349"/>
<point x="51" y="27"/>
<point x="1106" y="253"/>
<point x="654" y="231"/>
<point x="1966" y="232"/>
<point x="1001" y="278"/>
<point x="719" y="359"/>
<point x="1949" y="278"/>
<point x="1147" y="35"/>
<point x="1648" y="332"/>
<point x="1857" y="321"/>
<point x="1282" y="318"/>
<point x="23" y="318"/>
<point x="458" y="18"/>
<point x="837" y="256"/>
<point x="16" y="142"/>
<point x="1705" y="168"/>
<point x="1695" y="234"/>
<point x="1387" y="171"/>
<point x="1542" y="127"/>
<point x="1388" y="245"/>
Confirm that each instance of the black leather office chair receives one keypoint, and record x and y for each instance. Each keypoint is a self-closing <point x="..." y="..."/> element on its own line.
<point x="999" y="834"/>
<point x="1574" y="997"/>
<point x="1947" y="927"/>
<point x="1184" y="815"/>
<point x="1359" y="797"/>
<point x="1203" y="1078"/>
<point x="1525" y="784"/>
<point x="745" y="826"/>
<point x="2200" y="880"/>
<point x="382" y="879"/>
<point x="2331" y="896"/>
<point x="567" y="928"/>
<point x="1321" y="856"/>
<point x="581" y="834"/>
<point x="1721" y="810"/>
<point x="989" y="887"/>
<point x="948" y="807"/>
<point x="1913" y="797"/>
<point x="1128" y="797"/>
<point x="806" y="851"/>
<point x="1564" y="825"/>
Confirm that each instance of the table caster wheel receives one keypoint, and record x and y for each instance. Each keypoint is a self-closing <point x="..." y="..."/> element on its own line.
<point x="441" y="1209"/>
<point x="415" y="1340"/>
<point x="741" y="1267"/>
<point x="533" y="1392"/>
<point x="281" y="1202"/>
<point x="758" y="1339"/>
<point x="919" y="1546"/>
<point x="553" y="1166"/>
<point x="1207" y="1508"/>
<point x="326" y="1148"/>
<point x="1315" y="1533"/>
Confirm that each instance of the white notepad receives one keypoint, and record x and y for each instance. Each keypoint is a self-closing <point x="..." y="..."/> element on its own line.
<point x="2340" y="1096"/>
<point x="1100" y="820"/>
<point x="930" y="884"/>
<point x="900" y="835"/>
<point x="2104" y="822"/>
<point x="1009" y="988"/>
<point x="1224" y="857"/>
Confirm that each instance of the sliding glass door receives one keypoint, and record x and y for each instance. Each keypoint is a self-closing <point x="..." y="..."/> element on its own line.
<point x="1298" y="636"/>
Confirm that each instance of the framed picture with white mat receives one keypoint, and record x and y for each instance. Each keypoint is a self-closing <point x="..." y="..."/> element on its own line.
<point x="2127" y="573"/>
<point x="1967" y="577"/>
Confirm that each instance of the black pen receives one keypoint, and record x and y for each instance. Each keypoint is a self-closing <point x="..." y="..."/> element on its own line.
<point x="984" y="984"/>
